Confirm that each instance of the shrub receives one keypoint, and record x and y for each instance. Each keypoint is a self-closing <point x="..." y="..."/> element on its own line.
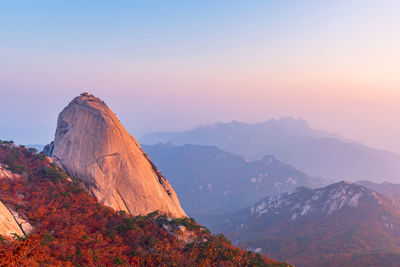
<point x="119" y="261"/>
<point x="47" y="239"/>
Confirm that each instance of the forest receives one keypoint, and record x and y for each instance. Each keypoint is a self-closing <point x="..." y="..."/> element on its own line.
<point x="71" y="228"/>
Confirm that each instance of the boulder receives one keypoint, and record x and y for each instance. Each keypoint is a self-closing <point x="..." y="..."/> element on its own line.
<point x="8" y="224"/>
<point x="92" y="145"/>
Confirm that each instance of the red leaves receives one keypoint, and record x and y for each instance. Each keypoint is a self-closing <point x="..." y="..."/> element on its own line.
<point x="71" y="228"/>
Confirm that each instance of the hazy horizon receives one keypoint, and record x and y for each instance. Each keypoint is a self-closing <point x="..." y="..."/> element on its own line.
<point x="165" y="66"/>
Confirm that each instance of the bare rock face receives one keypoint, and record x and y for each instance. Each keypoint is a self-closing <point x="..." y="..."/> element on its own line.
<point x="25" y="226"/>
<point x="8" y="224"/>
<point x="92" y="145"/>
<point x="10" y="221"/>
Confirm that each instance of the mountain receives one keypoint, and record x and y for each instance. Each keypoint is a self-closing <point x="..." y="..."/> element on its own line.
<point x="209" y="180"/>
<point x="386" y="188"/>
<point x="343" y="224"/>
<point x="315" y="152"/>
<point x="92" y="145"/>
<point x="69" y="227"/>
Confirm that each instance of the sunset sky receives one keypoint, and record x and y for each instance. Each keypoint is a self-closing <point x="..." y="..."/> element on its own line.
<point x="171" y="65"/>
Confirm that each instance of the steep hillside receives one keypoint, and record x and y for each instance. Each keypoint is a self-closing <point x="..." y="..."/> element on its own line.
<point x="209" y="180"/>
<point x="314" y="152"/>
<point x="71" y="228"/>
<point x="342" y="224"/>
<point x="92" y="145"/>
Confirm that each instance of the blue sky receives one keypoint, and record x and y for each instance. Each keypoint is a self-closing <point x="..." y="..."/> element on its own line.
<point x="167" y="65"/>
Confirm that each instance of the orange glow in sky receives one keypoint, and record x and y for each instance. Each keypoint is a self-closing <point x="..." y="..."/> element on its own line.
<point x="334" y="64"/>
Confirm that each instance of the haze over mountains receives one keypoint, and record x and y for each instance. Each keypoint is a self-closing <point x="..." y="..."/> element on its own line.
<point x="81" y="186"/>
<point x="343" y="224"/>
<point x="386" y="188"/>
<point x="315" y="152"/>
<point x="209" y="180"/>
<point x="271" y="206"/>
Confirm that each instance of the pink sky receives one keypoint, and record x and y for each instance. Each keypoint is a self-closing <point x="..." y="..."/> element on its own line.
<point x="335" y="64"/>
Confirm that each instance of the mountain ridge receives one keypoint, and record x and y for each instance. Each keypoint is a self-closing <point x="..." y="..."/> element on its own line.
<point x="342" y="223"/>
<point x="315" y="152"/>
<point x="210" y="180"/>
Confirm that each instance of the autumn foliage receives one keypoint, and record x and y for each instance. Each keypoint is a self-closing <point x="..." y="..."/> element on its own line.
<point x="72" y="229"/>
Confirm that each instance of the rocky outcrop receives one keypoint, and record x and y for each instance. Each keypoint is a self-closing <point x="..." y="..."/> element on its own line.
<point x="10" y="221"/>
<point x="25" y="226"/>
<point x="92" y="145"/>
<point x="8" y="224"/>
<point x="4" y="173"/>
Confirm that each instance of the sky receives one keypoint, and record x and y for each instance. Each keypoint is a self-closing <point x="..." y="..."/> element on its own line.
<point x="172" y="65"/>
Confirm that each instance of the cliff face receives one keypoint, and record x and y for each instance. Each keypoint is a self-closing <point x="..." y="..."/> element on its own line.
<point x="10" y="222"/>
<point x="92" y="145"/>
<point x="8" y="225"/>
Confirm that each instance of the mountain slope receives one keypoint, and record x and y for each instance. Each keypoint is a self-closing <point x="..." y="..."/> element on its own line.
<point x="71" y="228"/>
<point x="91" y="144"/>
<point x="338" y="225"/>
<point x="209" y="180"/>
<point x="314" y="152"/>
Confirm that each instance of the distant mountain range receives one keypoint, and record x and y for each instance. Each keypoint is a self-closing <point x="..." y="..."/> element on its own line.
<point x="386" y="188"/>
<point x="315" y="152"/>
<point x="220" y="172"/>
<point x="343" y="224"/>
<point x="209" y="180"/>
